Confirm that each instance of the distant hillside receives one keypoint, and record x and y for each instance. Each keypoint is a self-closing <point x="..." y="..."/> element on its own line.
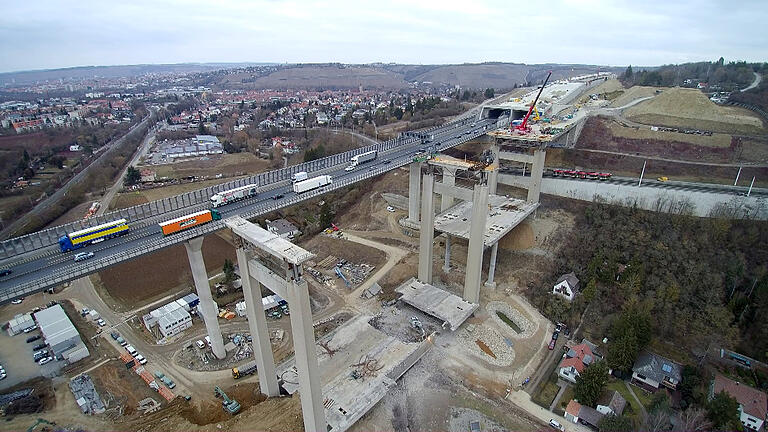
<point x="316" y="76"/>
<point x="80" y="72"/>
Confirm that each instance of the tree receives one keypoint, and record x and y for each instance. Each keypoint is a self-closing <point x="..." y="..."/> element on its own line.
<point x="201" y="128"/>
<point x="489" y="93"/>
<point x="590" y="383"/>
<point x="132" y="176"/>
<point x="693" y="419"/>
<point x="690" y="380"/>
<point x="326" y="215"/>
<point x="622" y="353"/>
<point x="628" y="74"/>
<point x="614" y="423"/>
<point x="229" y="271"/>
<point x="723" y="412"/>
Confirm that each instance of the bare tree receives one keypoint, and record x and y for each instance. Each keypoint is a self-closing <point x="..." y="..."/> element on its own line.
<point x="693" y="419"/>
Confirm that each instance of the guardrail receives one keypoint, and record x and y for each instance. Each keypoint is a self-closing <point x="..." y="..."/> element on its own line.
<point x="275" y="177"/>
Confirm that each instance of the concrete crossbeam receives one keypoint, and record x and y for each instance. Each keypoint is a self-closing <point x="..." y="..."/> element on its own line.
<point x="207" y="305"/>
<point x="517" y="157"/>
<point x="257" y="323"/>
<point x="476" y="244"/>
<point x="459" y="192"/>
<point x="427" y="230"/>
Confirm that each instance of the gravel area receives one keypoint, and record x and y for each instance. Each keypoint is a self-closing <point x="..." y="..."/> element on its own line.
<point x="462" y="417"/>
<point x="504" y="353"/>
<point x="198" y="359"/>
<point x="396" y="322"/>
<point x="528" y="326"/>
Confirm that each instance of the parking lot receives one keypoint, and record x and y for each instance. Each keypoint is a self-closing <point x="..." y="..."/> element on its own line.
<point x="16" y="358"/>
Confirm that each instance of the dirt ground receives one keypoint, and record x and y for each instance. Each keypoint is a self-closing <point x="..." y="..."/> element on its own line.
<point x="126" y="200"/>
<point x="227" y="164"/>
<point x="323" y="246"/>
<point x="118" y="385"/>
<point x="679" y="107"/>
<point x="137" y="282"/>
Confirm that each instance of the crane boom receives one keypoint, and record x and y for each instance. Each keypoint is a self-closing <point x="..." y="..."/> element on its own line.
<point x="525" y="120"/>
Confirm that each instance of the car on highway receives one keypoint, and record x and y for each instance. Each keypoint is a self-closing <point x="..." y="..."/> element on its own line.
<point x="17" y="301"/>
<point x="5" y="272"/>
<point x="387" y="161"/>
<point x="45" y="360"/>
<point x="278" y="196"/>
<point x="552" y="344"/>
<point x="82" y="256"/>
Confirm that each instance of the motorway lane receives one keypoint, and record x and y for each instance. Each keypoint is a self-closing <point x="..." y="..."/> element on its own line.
<point x="50" y="261"/>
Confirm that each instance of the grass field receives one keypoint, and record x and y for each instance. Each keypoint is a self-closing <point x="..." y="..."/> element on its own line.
<point x="166" y="191"/>
<point x="126" y="200"/>
<point x="227" y="164"/>
<point x="545" y="394"/>
<point x="509" y="322"/>
<point x="632" y="410"/>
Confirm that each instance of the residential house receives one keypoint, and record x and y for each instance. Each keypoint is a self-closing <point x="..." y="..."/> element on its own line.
<point x="611" y="403"/>
<point x="567" y="286"/>
<point x="653" y="371"/>
<point x="283" y="228"/>
<point x="753" y="404"/>
<point x="147" y="176"/>
<point x="576" y="360"/>
<point x="578" y="413"/>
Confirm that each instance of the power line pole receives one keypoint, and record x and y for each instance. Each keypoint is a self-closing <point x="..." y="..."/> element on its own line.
<point x="641" y="174"/>
<point x="737" y="177"/>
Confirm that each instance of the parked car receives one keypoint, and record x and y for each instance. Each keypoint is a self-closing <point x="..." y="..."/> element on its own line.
<point x="121" y="341"/>
<point x="17" y="301"/>
<point x="200" y="344"/>
<point x="3" y="376"/>
<point x="30" y="329"/>
<point x="552" y="344"/>
<point x="114" y="335"/>
<point x="101" y="322"/>
<point x="556" y="425"/>
<point x="140" y="358"/>
<point x="45" y="360"/>
<point x="33" y="338"/>
<point x="82" y="256"/>
<point x="555" y="335"/>
<point x="38" y="347"/>
<point x="390" y="209"/>
<point x="5" y="272"/>
<point x="40" y="354"/>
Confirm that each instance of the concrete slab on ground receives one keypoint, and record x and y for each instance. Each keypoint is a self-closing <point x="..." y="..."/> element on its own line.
<point x="504" y="214"/>
<point x="449" y="308"/>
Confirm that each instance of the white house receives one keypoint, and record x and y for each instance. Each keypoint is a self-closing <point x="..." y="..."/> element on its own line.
<point x="753" y="404"/>
<point x="567" y="286"/>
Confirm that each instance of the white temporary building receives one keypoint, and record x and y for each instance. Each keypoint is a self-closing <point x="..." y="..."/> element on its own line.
<point x="174" y="322"/>
<point x="19" y="323"/>
<point x="268" y="302"/>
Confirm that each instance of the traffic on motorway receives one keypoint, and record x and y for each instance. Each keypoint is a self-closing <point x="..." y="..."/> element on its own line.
<point x="28" y="273"/>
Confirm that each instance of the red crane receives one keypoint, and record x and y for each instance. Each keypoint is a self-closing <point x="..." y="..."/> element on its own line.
<point x="523" y="127"/>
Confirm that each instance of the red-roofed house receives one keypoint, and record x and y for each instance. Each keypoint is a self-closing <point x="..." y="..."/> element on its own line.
<point x="576" y="359"/>
<point x="753" y="404"/>
<point x="572" y="411"/>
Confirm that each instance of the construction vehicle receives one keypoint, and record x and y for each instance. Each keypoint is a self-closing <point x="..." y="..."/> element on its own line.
<point x="40" y="421"/>
<point x="341" y="275"/>
<point x="663" y="178"/>
<point x="416" y="325"/>
<point x="244" y="370"/>
<point x="313" y="183"/>
<point x="229" y="405"/>
<point x="523" y="127"/>
<point x="189" y="221"/>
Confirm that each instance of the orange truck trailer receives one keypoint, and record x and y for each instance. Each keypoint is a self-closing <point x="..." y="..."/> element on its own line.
<point x="189" y="221"/>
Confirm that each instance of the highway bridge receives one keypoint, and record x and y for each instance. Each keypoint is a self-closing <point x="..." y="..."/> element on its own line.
<point x="37" y="263"/>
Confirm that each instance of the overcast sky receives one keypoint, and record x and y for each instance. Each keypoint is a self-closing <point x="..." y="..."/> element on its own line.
<point x="41" y="34"/>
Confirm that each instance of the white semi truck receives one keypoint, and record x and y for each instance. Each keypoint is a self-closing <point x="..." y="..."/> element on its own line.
<point x="232" y="195"/>
<point x="313" y="183"/>
<point x="299" y="176"/>
<point x="361" y="158"/>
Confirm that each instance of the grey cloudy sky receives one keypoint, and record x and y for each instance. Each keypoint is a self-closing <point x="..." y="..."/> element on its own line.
<point x="49" y="34"/>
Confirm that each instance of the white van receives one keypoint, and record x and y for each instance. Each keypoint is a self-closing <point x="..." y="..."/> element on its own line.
<point x="131" y="350"/>
<point x="200" y="344"/>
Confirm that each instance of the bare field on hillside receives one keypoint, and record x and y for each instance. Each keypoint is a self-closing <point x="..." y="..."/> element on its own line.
<point x="226" y="164"/>
<point x="316" y="76"/>
<point x="149" y="277"/>
<point x="715" y="140"/>
<point x="628" y="95"/>
<point x="126" y="200"/>
<point x="166" y="191"/>
<point x="690" y="108"/>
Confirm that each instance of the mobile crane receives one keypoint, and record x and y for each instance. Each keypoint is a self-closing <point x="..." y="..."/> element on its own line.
<point x="523" y="128"/>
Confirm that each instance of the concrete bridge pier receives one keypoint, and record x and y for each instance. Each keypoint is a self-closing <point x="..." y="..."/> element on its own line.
<point x="492" y="267"/>
<point x="493" y="175"/>
<point x="208" y="308"/>
<point x="257" y="324"/>
<point x="427" y="230"/>
<point x="537" y="171"/>
<point x="449" y="179"/>
<point x="476" y="244"/>
<point x="447" y="265"/>
<point x="414" y="192"/>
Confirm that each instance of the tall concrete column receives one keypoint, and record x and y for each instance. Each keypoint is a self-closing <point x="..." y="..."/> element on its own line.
<point x="306" y="357"/>
<point x="449" y="178"/>
<point x="427" y="230"/>
<point x="476" y="244"/>
<point x="537" y="170"/>
<point x="414" y="192"/>
<point x="493" y="176"/>
<point x="207" y="306"/>
<point x="257" y="323"/>
<point x="447" y="265"/>
<point x="492" y="267"/>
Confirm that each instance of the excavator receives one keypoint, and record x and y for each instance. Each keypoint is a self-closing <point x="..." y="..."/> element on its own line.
<point x="229" y="405"/>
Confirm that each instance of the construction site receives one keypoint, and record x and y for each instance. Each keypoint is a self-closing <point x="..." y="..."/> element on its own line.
<point x="406" y="313"/>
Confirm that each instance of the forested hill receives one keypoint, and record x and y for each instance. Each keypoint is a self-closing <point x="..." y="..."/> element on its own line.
<point x="697" y="281"/>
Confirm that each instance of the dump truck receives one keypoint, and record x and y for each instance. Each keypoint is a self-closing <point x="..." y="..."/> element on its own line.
<point x="189" y="221"/>
<point x="313" y="183"/>
<point x="244" y="370"/>
<point x="232" y="195"/>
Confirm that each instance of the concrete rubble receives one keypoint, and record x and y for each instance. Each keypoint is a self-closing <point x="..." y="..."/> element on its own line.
<point x="86" y="396"/>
